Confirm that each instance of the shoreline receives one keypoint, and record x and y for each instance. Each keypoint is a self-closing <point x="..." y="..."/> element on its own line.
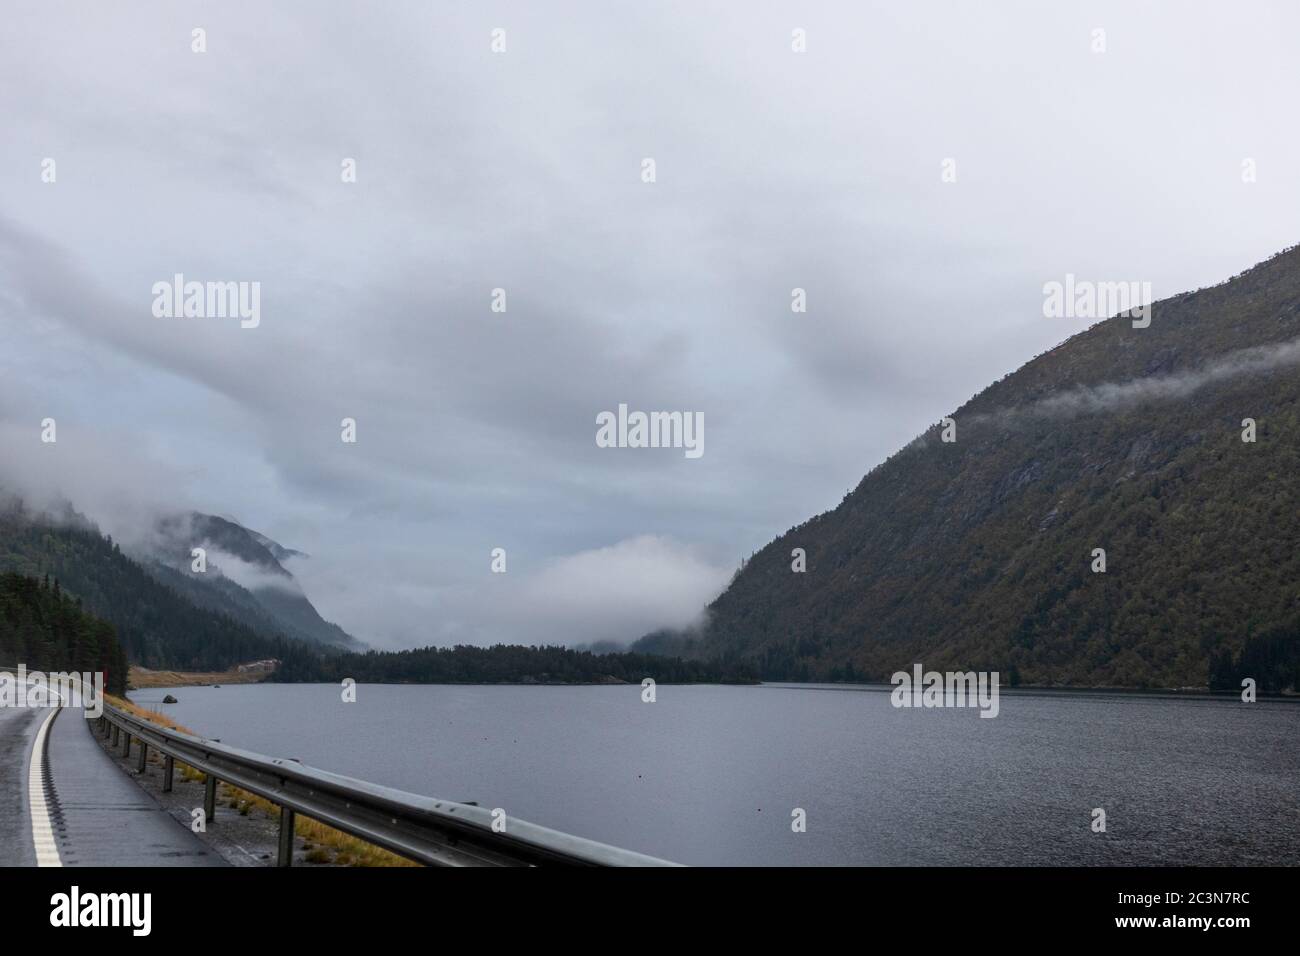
<point x="155" y="681"/>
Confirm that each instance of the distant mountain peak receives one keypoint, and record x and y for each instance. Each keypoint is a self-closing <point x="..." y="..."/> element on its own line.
<point x="242" y="559"/>
<point x="279" y="551"/>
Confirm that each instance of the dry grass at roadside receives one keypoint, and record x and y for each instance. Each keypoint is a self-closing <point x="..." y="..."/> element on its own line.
<point x="144" y="677"/>
<point x="324" y="844"/>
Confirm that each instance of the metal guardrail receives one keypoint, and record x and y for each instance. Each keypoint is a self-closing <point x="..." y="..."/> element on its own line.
<point x="424" y="829"/>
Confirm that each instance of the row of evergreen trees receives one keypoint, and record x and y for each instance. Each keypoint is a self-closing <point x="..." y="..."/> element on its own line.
<point x="46" y="630"/>
<point x="507" y="663"/>
<point x="1270" y="657"/>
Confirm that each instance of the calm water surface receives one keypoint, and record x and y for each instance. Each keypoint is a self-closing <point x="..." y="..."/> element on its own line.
<point x="710" y="775"/>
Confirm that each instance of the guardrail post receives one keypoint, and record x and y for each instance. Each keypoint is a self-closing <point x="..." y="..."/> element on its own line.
<point x="286" y="837"/>
<point x="408" y="824"/>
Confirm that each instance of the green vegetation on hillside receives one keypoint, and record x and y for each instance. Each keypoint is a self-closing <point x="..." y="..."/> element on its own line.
<point x="282" y="609"/>
<point x="1270" y="658"/>
<point x="45" y="630"/>
<point x="156" y="626"/>
<point x="978" y="553"/>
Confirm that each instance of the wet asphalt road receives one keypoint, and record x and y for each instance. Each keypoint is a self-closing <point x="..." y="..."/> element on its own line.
<point x="18" y="727"/>
<point x="99" y="816"/>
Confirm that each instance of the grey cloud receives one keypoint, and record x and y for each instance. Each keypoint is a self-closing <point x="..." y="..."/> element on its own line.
<point x="1108" y="396"/>
<point x="520" y="171"/>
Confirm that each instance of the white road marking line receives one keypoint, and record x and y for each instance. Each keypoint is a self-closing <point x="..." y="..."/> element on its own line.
<point x="47" y="852"/>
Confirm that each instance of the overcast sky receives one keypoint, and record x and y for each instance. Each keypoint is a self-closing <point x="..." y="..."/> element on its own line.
<point x="522" y="170"/>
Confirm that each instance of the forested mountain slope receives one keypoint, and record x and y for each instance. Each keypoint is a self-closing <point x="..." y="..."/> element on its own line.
<point x="268" y="596"/>
<point x="155" y="624"/>
<point x="978" y="553"/>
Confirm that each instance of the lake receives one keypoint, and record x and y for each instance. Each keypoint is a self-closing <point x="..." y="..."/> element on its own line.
<point x="711" y="774"/>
